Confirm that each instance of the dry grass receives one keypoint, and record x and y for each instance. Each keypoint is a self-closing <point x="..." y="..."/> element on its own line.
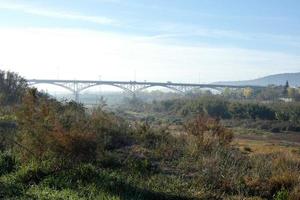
<point x="266" y="147"/>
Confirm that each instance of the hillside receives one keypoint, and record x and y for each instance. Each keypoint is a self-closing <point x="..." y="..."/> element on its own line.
<point x="276" y="79"/>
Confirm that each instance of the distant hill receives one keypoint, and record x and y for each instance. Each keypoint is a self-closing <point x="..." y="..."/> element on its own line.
<point x="276" y="79"/>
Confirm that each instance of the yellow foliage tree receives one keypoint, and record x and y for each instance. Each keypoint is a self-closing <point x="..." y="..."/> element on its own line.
<point x="247" y="92"/>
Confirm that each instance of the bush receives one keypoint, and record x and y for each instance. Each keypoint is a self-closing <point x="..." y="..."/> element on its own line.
<point x="73" y="148"/>
<point x="217" y="108"/>
<point x="283" y="194"/>
<point x="140" y="165"/>
<point x="248" y="149"/>
<point x="51" y="130"/>
<point x="12" y="88"/>
<point x="223" y="170"/>
<point x="208" y="132"/>
<point x="285" y="180"/>
<point x="270" y="173"/>
<point x="111" y="131"/>
<point x="7" y="163"/>
<point x="32" y="173"/>
<point x="295" y="193"/>
<point x="251" y="111"/>
<point x="10" y="188"/>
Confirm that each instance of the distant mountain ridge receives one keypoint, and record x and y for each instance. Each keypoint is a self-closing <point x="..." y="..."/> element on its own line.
<point x="276" y="79"/>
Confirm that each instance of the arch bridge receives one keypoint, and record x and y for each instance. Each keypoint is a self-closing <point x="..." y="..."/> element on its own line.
<point x="132" y="87"/>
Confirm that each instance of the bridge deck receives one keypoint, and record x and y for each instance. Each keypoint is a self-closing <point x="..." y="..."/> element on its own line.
<point x="97" y="82"/>
<point x="76" y="86"/>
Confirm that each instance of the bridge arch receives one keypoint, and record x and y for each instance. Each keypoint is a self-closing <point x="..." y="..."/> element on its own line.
<point x="165" y="86"/>
<point x="211" y="88"/>
<point x="114" y="85"/>
<point x="56" y="84"/>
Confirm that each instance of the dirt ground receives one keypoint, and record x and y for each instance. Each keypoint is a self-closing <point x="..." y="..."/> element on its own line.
<point x="279" y="142"/>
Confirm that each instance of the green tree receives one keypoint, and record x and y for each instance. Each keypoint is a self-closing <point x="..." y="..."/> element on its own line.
<point x="270" y="93"/>
<point x="285" y="89"/>
<point x="226" y="92"/>
<point x="12" y="88"/>
<point x="291" y="93"/>
<point x="52" y="130"/>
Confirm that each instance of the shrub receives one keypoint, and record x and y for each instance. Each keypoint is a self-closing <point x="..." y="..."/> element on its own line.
<point x="147" y="136"/>
<point x="7" y="163"/>
<point x="7" y="132"/>
<point x="270" y="173"/>
<point x="215" y="107"/>
<point x="208" y="132"/>
<point x="10" y="188"/>
<point x="111" y="131"/>
<point x="31" y="173"/>
<point x="73" y="148"/>
<point x="248" y="149"/>
<point x="283" y="194"/>
<point x="50" y="130"/>
<point x="86" y="173"/>
<point x="238" y="111"/>
<point x="140" y="165"/>
<point x="223" y="170"/>
<point x="295" y="193"/>
<point x="12" y="88"/>
<point x="285" y="179"/>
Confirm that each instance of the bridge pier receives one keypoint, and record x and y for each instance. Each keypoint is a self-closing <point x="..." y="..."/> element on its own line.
<point x="76" y="96"/>
<point x="76" y="91"/>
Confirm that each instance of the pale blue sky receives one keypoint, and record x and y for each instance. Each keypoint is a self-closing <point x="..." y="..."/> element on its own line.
<point x="162" y="40"/>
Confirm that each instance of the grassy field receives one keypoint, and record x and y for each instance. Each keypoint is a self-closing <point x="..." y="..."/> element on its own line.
<point x="164" y="162"/>
<point x="257" y="141"/>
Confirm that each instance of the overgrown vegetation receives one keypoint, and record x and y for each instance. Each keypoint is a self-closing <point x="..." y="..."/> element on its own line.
<point x="271" y="116"/>
<point x="60" y="150"/>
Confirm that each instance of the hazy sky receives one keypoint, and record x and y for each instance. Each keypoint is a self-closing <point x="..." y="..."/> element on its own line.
<point x="154" y="40"/>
